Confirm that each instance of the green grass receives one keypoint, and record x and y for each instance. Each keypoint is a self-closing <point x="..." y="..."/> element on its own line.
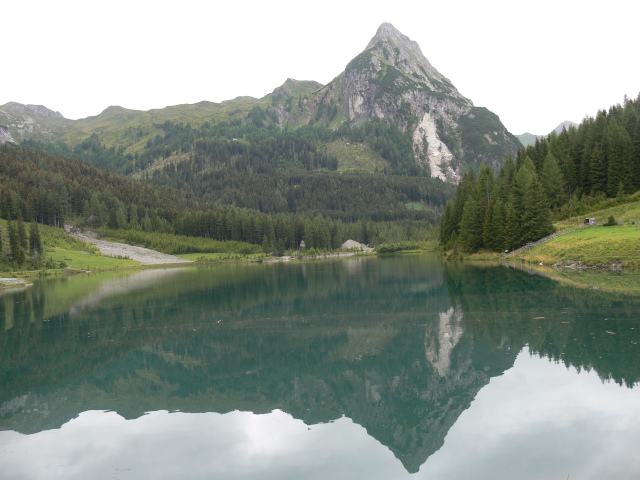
<point x="112" y="124"/>
<point x="178" y="244"/>
<point x="222" y="257"/>
<point x="60" y="248"/>
<point x="356" y="157"/>
<point x="80" y="260"/>
<point x="417" y="206"/>
<point x="593" y="246"/>
<point x="630" y="210"/>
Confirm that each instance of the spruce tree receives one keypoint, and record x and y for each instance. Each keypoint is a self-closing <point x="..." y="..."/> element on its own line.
<point x="15" y="251"/>
<point x="35" y="242"/>
<point x="635" y="160"/>
<point x="598" y="174"/>
<point x="471" y="227"/>
<point x="446" y="224"/>
<point x="511" y="234"/>
<point x="497" y="226"/>
<point x="22" y="235"/>
<point x="552" y="180"/>
<point x="536" y="217"/>
<point x="618" y="151"/>
<point x="487" y="227"/>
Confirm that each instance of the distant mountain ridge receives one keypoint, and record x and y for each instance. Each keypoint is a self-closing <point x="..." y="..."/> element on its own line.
<point x="529" y="138"/>
<point x="391" y="81"/>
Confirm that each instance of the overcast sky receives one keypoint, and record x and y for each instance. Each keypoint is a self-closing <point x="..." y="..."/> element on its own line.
<point x="535" y="64"/>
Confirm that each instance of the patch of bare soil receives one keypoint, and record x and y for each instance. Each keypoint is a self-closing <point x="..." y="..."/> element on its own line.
<point x="143" y="255"/>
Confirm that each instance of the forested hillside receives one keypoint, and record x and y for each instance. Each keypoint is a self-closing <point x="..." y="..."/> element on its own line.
<point x="36" y="187"/>
<point x="564" y="174"/>
<point x="256" y="165"/>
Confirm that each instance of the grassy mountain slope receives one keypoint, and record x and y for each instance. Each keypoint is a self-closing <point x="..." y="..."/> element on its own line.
<point x="595" y="245"/>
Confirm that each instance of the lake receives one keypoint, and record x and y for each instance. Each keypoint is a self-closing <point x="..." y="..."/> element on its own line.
<point x="366" y="367"/>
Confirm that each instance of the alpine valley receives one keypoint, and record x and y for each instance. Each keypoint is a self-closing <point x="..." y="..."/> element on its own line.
<point x="373" y="156"/>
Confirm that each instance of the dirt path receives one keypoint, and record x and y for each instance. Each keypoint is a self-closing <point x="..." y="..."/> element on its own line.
<point x="113" y="249"/>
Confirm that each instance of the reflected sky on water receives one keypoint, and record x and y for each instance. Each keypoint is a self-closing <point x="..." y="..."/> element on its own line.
<point x="377" y="368"/>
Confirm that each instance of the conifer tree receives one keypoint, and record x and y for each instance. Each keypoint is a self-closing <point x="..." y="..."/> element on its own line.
<point x="505" y="178"/>
<point x="15" y="251"/>
<point x="35" y="242"/>
<point x="635" y="161"/>
<point x="446" y="224"/>
<point x="497" y="227"/>
<point x="22" y="235"/>
<point x="471" y="227"/>
<point x="536" y="218"/>
<point x="464" y="189"/>
<point x="598" y="170"/>
<point x="552" y="180"/>
<point x="487" y="227"/>
<point x="511" y="235"/>
<point x="618" y="150"/>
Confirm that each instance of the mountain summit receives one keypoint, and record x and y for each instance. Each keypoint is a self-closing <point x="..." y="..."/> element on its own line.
<point x="391" y="80"/>
<point x="420" y="116"/>
<point x="409" y="58"/>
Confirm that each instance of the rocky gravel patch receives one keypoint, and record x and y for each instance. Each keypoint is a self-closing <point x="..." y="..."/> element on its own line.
<point x="143" y="255"/>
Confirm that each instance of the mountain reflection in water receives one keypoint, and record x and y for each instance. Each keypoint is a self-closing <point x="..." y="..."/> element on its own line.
<point x="401" y="346"/>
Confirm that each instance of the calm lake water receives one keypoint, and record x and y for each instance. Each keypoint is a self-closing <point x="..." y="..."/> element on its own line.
<point x="377" y="368"/>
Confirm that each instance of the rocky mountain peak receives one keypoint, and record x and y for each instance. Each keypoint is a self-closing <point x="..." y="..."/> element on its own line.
<point x="391" y="80"/>
<point x="404" y="54"/>
<point x="43" y="111"/>
<point x="386" y="31"/>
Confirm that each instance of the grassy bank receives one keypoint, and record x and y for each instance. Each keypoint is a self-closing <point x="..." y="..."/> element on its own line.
<point x="61" y="254"/>
<point x="596" y="246"/>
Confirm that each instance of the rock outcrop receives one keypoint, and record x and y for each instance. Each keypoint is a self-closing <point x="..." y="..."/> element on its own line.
<point x="18" y="122"/>
<point x="393" y="81"/>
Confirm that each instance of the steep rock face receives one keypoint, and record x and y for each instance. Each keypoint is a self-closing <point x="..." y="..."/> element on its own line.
<point x="392" y="80"/>
<point x="5" y="135"/>
<point x="26" y="121"/>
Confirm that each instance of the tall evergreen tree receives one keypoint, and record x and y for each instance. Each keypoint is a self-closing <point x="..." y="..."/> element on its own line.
<point x="23" y="241"/>
<point x="15" y="252"/>
<point x="618" y="151"/>
<point x="536" y="218"/>
<point x="446" y="224"/>
<point x="496" y="241"/>
<point x="35" y="242"/>
<point x="598" y="167"/>
<point x="552" y="180"/>
<point x="512" y="228"/>
<point x="471" y="227"/>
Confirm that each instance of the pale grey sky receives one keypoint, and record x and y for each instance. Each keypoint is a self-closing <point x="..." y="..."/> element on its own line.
<point x="535" y="64"/>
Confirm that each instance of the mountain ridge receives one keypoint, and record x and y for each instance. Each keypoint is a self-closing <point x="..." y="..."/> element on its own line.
<point x="390" y="81"/>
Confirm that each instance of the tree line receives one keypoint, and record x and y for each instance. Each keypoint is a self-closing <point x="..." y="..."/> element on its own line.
<point x="16" y="247"/>
<point x="497" y="213"/>
<point x="599" y="158"/>
<point x="37" y="187"/>
<point x="560" y="175"/>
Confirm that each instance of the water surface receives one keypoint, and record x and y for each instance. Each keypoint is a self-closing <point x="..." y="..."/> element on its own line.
<point x="362" y="367"/>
